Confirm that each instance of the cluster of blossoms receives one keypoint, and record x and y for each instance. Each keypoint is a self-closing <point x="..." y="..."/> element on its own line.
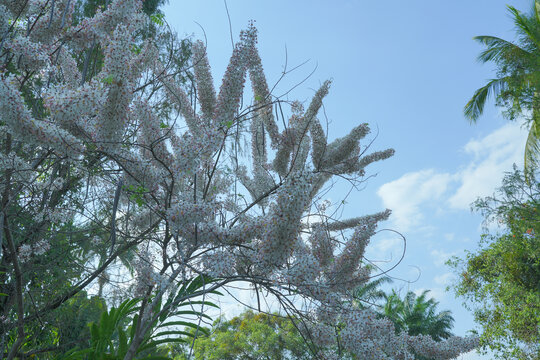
<point x="26" y="251"/>
<point x="22" y="125"/>
<point x="146" y="276"/>
<point x="188" y="199"/>
<point x="219" y="263"/>
<point x="32" y="55"/>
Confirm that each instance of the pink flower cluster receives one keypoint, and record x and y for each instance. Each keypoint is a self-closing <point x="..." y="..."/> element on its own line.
<point x="204" y="81"/>
<point x="24" y="127"/>
<point x="32" y="55"/>
<point x="46" y="28"/>
<point x="283" y="224"/>
<point x="26" y="251"/>
<point x="101" y="25"/>
<point x="219" y="263"/>
<point x="185" y="215"/>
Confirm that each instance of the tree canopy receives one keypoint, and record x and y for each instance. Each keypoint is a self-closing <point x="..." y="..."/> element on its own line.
<point x="516" y="87"/>
<point x="253" y="336"/>
<point x="418" y="315"/>
<point x="501" y="280"/>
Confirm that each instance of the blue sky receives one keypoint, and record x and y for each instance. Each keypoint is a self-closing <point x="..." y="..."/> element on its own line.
<point x="407" y="68"/>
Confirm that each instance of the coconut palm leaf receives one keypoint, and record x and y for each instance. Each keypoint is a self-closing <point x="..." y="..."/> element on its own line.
<point x="527" y="25"/>
<point x="518" y="70"/>
<point x="418" y="315"/>
<point x="370" y="293"/>
<point x="498" y="49"/>
<point x="475" y="106"/>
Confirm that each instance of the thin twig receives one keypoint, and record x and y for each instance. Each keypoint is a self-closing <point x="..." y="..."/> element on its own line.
<point x="113" y="219"/>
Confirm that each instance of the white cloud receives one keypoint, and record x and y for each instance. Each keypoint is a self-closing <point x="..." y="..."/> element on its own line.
<point x="386" y="244"/>
<point x="414" y="194"/>
<point x="437" y="293"/>
<point x="440" y="256"/>
<point x="449" y="236"/>
<point x="406" y="195"/>
<point x="444" y="279"/>
<point x="384" y="249"/>
<point x="492" y="156"/>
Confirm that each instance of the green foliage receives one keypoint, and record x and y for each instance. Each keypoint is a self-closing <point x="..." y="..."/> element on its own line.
<point x="370" y="294"/>
<point x="418" y="315"/>
<point x="108" y="80"/>
<point x="136" y="193"/>
<point x="72" y="318"/>
<point x="46" y="277"/>
<point x="66" y="327"/>
<point x="501" y="280"/>
<point x="150" y="7"/>
<point x="413" y="314"/>
<point x="518" y="78"/>
<point x="111" y="336"/>
<point x="105" y="332"/>
<point x="250" y="336"/>
<point x="158" y="19"/>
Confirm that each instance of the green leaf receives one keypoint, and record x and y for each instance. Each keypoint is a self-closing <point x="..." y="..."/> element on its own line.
<point x="122" y="342"/>
<point x="532" y="146"/>
<point x="475" y="106"/>
<point x="158" y="19"/>
<point x="133" y="326"/>
<point x="136" y="49"/>
<point x="108" y="80"/>
<point x="94" y="332"/>
<point x="207" y="303"/>
<point x="155" y="343"/>
<point x="190" y="312"/>
<point x="182" y="323"/>
<point x="176" y="332"/>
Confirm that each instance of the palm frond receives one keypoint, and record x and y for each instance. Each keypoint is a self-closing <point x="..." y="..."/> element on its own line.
<point x="529" y="26"/>
<point x="370" y="292"/>
<point x="532" y="146"/>
<point x="498" y="48"/>
<point x="475" y="106"/>
<point x="519" y="20"/>
<point x="418" y="315"/>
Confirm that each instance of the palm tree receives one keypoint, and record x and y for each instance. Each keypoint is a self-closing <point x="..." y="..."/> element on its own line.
<point x="412" y="314"/>
<point x="370" y="294"/>
<point x="517" y="84"/>
<point x="417" y="315"/>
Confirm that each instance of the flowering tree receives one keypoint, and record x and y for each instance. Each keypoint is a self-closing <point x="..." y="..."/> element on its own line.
<point x="93" y="165"/>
